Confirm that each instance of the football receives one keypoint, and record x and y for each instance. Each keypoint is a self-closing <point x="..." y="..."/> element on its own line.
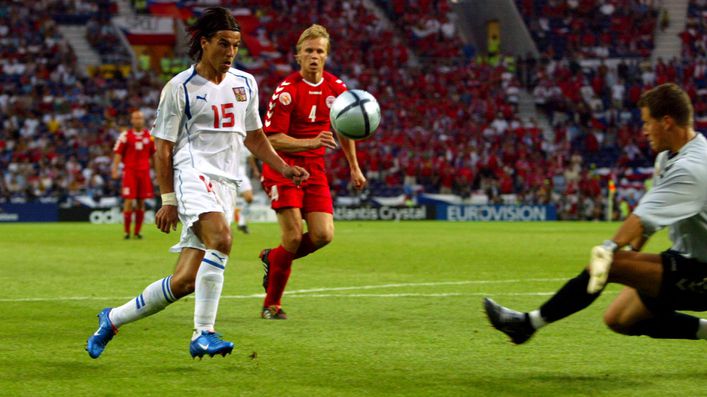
<point x="355" y="114"/>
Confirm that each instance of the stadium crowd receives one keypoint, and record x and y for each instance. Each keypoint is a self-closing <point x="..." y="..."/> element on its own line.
<point x="58" y="125"/>
<point x="450" y="124"/>
<point x="580" y="29"/>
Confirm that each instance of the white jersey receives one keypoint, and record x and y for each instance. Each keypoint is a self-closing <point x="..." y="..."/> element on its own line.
<point x="208" y="121"/>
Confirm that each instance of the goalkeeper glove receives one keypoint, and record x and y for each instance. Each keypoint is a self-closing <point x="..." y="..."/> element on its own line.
<point x="599" y="265"/>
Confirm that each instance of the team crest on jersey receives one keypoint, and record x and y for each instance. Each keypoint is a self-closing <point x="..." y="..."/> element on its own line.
<point x="239" y="92"/>
<point x="285" y="98"/>
<point x="329" y="101"/>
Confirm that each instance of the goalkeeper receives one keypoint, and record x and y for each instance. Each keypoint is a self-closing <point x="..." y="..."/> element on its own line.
<point x="656" y="285"/>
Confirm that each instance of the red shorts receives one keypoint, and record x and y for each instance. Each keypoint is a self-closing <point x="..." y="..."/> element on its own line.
<point x="137" y="184"/>
<point x="313" y="195"/>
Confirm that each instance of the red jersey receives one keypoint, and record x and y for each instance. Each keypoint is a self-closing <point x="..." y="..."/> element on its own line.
<point x="300" y="109"/>
<point x="135" y="148"/>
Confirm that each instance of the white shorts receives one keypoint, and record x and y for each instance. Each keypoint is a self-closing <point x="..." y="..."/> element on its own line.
<point x="244" y="184"/>
<point x="198" y="194"/>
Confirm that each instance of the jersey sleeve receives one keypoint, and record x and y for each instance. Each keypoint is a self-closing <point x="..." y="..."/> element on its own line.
<point x="339" y="86"/>
<point x="280" y="106"/>
<point x="120" y="144"/>
<point x="170" y="112"/>
<point x="680" y="195"/>
<point x="252" y="116"/>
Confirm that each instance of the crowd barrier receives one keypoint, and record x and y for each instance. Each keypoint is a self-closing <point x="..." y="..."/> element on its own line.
<point x="30" y="212"/>
<point x="36" y="212"/>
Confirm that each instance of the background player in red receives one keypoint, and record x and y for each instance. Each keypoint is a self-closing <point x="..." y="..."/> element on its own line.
<point x="134" y="148"/>
<point x="297" y="125"/>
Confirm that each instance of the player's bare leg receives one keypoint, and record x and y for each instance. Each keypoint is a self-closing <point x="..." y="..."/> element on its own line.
<point x="640" y="270"/>
<point x="320" y="232"/>
<point x="629" y="315"/>
<point x="625" y="311"/>
<point x="185" y="271"/>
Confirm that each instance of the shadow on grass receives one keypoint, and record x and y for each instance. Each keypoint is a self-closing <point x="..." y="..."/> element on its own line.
<point x="606" y="383"/>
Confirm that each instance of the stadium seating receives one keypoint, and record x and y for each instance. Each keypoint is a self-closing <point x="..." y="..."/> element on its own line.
<point x="58" y="127"/>
<point x="590" y="28"/>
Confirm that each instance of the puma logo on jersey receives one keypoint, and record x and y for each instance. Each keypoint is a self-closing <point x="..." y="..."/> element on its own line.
<point x="202" y="97"/>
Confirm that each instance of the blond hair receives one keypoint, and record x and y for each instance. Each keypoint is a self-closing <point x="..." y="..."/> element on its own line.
<point x="314" y="32"/>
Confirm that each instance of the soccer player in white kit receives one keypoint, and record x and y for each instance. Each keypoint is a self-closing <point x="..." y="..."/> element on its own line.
<point x="203" y="114"/>
<point x="243" y="197"/>
<point x="657" y="286"/>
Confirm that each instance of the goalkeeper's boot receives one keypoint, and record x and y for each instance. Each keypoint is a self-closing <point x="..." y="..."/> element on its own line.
<point x="266" y="266"/>
<point x="209" y="343"/>
<point x="512" y="323"/>
<point x="273" y="313"/>
<point x="106" y="330"/>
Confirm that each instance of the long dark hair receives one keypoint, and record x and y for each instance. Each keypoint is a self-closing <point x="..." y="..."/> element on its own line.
<point x="211" y="21"/>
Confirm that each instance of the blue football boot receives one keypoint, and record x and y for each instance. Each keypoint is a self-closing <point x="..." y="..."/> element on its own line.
<point x="105" y="332"/>
<point x="209" y="343"/>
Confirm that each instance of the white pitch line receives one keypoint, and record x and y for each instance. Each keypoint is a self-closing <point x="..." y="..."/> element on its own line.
<point x="307" y="293"/>
<point x="414" y="295"/>
<point x="260" y="296"/>
<point x="465" y="282"/>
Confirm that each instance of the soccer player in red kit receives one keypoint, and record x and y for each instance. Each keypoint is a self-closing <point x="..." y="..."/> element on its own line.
<point x="134" y="149"/>
<point x="297" y="125"/>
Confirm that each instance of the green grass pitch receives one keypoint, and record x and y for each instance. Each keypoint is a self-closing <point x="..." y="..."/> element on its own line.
<point x="388" y="309"/>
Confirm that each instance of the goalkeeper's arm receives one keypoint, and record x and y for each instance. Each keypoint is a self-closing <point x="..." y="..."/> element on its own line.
<point x="631" y="234"/>
<point x="602" y="256"/>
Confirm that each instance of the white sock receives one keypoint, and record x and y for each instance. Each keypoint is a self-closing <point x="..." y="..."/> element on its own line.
<point x="207" y="290"/>
<point x="243" y="215"/>
<point x="536" y="320"/>
<point x="702" y="330"/>
<point x="152" y="300"/>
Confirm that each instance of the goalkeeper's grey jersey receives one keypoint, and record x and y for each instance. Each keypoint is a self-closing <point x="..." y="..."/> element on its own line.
<point x="678" y="199"/>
